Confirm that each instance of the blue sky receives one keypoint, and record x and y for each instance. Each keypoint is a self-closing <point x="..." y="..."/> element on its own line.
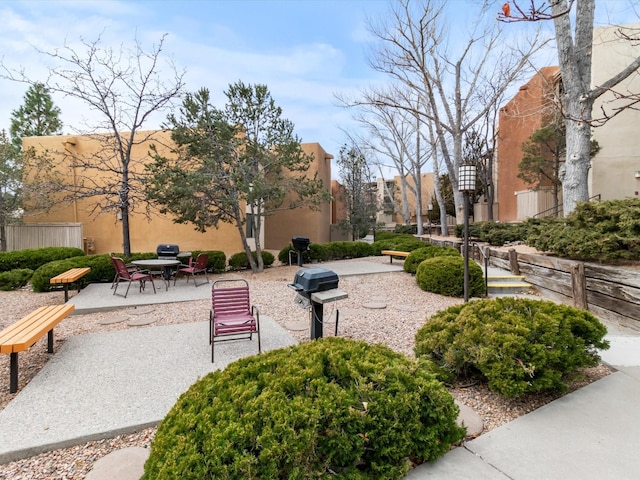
<point x="305" y="51"/>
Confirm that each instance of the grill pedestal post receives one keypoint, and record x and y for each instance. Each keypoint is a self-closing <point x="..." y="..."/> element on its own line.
<point x="317" y="316"/>
<point x="318" y="299"/>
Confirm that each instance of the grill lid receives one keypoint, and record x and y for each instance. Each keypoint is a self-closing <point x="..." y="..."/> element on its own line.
<point x="310" y="280"/>
<point x="167" y="250"/>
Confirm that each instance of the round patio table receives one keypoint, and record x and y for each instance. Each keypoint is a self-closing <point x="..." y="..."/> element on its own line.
<point x="157" y="264"/>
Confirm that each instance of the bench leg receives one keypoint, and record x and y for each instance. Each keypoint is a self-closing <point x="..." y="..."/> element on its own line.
<point x="50" y="341"/>
<point x="13" y="372"/>
<point x="66" y="292"/>
<point x="390" y="258"/>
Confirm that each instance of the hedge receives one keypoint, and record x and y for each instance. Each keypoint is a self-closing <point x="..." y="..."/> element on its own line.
<point x="331" y="408"/>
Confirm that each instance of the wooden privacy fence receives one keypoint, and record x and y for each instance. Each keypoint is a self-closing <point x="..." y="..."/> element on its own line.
<point x="37" y="235"/>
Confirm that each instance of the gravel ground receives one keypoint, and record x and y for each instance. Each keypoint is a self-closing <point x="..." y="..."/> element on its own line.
<point x="405" y="309"/>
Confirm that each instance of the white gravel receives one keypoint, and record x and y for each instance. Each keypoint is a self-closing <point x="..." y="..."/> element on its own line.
<point x="406" y="308"/>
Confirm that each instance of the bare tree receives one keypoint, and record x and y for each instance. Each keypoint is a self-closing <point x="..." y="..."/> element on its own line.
<point x="125" y="87"/>
<point x="395" y="134"/>
<point x="414" y="52"/>
<point x="575" y="43"/>
<point x="358" y="195"/>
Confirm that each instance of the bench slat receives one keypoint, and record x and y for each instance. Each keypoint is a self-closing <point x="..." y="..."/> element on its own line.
<point x="19" y="336"/>
<point x="70" y="275"/>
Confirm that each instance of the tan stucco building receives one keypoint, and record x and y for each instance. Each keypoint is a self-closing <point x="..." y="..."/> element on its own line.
<point x="615" y="170"/>
<point x="387" y="206"/>
<point x="104" y="229"/>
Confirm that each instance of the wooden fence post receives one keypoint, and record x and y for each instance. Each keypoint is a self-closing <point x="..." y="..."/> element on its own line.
<point x="579" y="286"/>
<point x="513" y="261"/>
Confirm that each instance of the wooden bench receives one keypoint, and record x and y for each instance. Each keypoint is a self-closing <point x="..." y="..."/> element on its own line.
<point x="394" y="253"/>
<point x="19" y="336"/>
<point x="68" y="277"/>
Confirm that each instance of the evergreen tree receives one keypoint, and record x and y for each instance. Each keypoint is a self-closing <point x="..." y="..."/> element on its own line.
<point x="245" y="154"/>
<point x="38" y="116"/>
<point x="10" y="177"/>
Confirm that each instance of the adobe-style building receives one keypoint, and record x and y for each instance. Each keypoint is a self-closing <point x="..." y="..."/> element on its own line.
<point x="615" y="170"/>
<point x="526" y="112"/>
<point x="103" y="230"/>
<point x="389" y="212"/>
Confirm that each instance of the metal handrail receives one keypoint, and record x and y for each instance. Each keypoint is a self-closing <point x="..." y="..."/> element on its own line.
<point x="485" y="258"/>
<point x="558" y="209"/>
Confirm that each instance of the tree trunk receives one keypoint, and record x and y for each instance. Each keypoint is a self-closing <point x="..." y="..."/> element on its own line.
<point x="575" y="186"/>
<point x="574" y="57"/>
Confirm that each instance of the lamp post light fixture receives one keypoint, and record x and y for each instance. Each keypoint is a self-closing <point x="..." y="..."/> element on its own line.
<point x="466" y="185"/>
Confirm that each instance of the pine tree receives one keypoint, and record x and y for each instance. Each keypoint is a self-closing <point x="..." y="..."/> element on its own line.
<point x="38" y="116"/>
<point x="10" y="176"/>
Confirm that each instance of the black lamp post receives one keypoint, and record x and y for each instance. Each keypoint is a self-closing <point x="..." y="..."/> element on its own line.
<point x="466" y="185"/>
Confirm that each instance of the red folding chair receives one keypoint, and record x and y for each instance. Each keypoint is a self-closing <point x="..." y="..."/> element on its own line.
<point x="199" y="266"/>
<point x="124" y="274"/>
<point x="232" y="315"/>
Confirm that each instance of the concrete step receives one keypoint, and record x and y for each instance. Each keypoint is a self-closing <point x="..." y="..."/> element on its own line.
<point x="506" y="284"/>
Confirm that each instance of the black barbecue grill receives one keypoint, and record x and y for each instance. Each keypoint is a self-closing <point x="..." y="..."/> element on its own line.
<point x="167" y="251"/>
<point x="311" y="280"/>
<point x="307" y="282"/>
<point x="300" y="245"/>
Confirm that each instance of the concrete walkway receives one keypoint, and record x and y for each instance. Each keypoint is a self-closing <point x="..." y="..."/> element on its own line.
<point x="88" y="390"/>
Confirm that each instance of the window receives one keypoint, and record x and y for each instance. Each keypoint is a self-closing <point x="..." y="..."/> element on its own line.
<point x="249" y="225"/>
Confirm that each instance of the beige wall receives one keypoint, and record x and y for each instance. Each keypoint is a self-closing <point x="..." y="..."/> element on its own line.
<point x="613" y="169"/>
<point x="146" y="234"/>
<point x="425" y="198"/>
<point x="316" y="225"/>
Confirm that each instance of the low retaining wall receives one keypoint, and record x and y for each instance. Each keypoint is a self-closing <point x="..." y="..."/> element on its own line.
<point x="610" y="293"/>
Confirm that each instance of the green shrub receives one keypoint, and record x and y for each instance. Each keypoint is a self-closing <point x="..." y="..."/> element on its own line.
<point x="402" y="242"/>
<point x="101" y="271"/>
<point x="383" y="235"/>
<point x="217" y="262"/>
<point x="357" y="249"/>
<point x="598" y="231"/>
<point x="14" y="279"/>
<point x="419" y="255"/>
<point x="329" y="408"/>
<point x="518" y="346"/>
<point x="495" y="233"/>
<point x="32" y="258"/>
<point x="317" y="252"/>
<point x="401" y="228"/>
<point x="445" y="276"/>
<point x="321" y="252"/>
<point x="239" y="261"/>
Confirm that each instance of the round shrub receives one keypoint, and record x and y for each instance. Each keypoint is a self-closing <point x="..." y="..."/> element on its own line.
<point x="418" y="255"/>
<point x="101" y="271"/>
<point x="445" y="276"/>
<point x="331" y="407"/>
<point x="240" y="261"/>
<point x="217" y="261"/>
<point x="14" y="279"/>
<point x="517" y="345"/>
